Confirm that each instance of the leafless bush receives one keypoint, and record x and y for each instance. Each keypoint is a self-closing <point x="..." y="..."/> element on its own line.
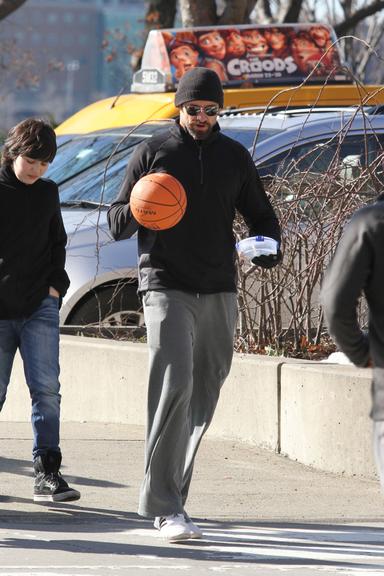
<point x="279" y="309"/>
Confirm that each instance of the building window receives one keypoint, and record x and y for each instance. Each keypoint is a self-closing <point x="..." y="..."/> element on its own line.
<point x="67" y="39"/>
<point x="51" y="38"/>
<point x="68" y="17"/>
<point x="51" y="18"/>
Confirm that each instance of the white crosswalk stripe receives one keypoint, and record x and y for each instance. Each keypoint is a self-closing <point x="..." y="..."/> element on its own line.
<point x="227" y="548"/>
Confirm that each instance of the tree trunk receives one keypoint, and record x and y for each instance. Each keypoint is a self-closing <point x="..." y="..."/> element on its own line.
<point x="9" y="6"/>
<point x="293" y="11"/>
<point x="198" y="12"/>
<point x="266" y="7"/>
<point x="237" y="11"/>
<point x="263" y="12"/>
<point x="363" y="55"/>
<point x="354" y="18"/>
<point x="160" y="14"/>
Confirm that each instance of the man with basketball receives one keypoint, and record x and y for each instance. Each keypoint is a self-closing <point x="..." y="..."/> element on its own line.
<point x="187" y="280"/>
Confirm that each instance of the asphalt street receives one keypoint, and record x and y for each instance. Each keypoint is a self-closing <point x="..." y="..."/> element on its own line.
<point x="261" y="513"/>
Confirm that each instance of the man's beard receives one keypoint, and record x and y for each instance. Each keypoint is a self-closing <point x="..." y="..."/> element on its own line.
<point x="199" y="134"/>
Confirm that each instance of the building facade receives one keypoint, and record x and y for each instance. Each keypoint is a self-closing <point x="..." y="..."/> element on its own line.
<point x="55" y="61"/>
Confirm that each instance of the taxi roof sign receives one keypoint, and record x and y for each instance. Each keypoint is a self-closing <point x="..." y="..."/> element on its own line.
<point x="243" y="55"/>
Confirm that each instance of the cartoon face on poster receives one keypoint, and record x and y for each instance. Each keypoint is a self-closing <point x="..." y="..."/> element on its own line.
<point x="257" y="54"/>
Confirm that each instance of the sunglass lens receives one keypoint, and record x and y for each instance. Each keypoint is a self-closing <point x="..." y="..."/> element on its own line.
<point x="193" y="110"/>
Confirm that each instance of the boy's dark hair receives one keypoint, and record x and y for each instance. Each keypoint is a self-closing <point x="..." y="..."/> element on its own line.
<point x="33" y="138"/>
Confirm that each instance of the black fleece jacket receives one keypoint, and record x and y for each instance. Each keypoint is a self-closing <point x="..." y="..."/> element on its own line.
<point x="32" y="244"/>
<point x="358" y="267"/>
<point x="219" y="177"/>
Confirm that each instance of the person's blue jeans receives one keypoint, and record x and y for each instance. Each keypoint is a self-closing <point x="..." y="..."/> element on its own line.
<point x="37" y="338"/>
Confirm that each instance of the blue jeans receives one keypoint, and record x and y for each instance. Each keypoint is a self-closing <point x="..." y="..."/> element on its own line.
<point x="37" y="338"/>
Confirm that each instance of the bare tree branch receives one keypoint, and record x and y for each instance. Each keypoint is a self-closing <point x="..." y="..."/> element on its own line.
<point x="350" y="22"/>
<point x="9" y="6"/>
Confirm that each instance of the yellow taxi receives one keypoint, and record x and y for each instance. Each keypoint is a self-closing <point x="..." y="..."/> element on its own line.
<point x="285" y="66"/>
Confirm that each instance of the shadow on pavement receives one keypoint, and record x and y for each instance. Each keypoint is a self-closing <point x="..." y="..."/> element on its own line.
<point x="277" y="544"/>
<point x="24" y="468"/>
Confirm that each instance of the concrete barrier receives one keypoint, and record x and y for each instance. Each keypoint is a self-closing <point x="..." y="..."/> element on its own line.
<point x="312" y="412"/>
<point x="324" y="417"/>
<point x="248" y="408"/>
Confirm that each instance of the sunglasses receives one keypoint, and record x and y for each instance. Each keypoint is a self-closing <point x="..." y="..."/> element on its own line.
<point x="193" y="110"/>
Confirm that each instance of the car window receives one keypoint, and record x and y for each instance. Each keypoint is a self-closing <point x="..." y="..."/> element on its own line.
<point x="247" y="135"/>
<point x="381" y="143"/>
<point x="95" y="184"/>
<point x="79" y="153"/>
<point x="320" y="156"/>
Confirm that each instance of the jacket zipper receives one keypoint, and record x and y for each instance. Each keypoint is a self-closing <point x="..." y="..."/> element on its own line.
<point x="201" y="164"/>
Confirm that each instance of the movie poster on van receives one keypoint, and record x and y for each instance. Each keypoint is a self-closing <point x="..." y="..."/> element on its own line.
<point x="258" y="54"/>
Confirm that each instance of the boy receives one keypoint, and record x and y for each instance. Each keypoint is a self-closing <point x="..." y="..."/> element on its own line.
<point x="32" y="284"/>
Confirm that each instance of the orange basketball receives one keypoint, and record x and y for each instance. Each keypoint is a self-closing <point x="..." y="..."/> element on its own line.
<point x="158" y="201"/>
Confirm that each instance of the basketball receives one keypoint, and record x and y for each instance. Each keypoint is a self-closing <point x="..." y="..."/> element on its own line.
<point x="158" y="201"/>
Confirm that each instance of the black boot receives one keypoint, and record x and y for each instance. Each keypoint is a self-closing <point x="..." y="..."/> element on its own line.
<point x="50" y="486"/>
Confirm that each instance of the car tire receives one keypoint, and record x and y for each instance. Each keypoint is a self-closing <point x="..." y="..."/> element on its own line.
<point x="116" y="304"/>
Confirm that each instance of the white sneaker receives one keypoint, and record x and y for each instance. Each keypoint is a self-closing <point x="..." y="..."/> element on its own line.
<point x="195" y="531"/>
<point x="173" y="527"/>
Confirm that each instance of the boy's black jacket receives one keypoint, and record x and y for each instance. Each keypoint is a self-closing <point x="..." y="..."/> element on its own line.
<point x="32" y="244"/>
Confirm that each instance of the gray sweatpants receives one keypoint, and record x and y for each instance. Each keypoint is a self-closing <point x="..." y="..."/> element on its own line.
<point x="190" y="340"/>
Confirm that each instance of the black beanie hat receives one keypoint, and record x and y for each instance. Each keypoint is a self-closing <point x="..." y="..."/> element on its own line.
<point x="199" y="84"/>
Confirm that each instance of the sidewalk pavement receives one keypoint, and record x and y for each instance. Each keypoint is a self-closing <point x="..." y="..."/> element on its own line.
<point x="238" y="492"/>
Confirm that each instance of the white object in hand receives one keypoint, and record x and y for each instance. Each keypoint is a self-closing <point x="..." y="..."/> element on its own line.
<point x="257" y="246"/>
